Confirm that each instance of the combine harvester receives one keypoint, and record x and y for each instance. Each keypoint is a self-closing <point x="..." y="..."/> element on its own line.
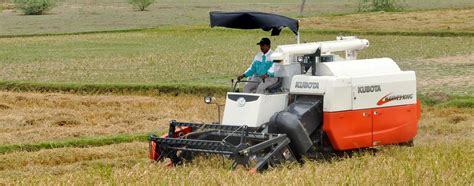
<point x="322" y="104"/>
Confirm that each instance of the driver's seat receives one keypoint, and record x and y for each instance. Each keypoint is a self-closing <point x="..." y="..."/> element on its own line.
<point x="275" y="87"/>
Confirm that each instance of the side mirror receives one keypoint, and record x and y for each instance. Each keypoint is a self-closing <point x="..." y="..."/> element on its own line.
<point x="212" y="100"/>
<point x="208" y="99"/>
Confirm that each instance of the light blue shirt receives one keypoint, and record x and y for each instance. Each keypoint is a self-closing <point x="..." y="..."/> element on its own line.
<point x="262" y="64"/>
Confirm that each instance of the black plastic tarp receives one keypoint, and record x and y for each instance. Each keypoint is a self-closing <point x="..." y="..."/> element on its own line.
<point x="253" y="20"/>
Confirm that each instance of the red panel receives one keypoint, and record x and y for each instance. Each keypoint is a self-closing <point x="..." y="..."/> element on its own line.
<point x="365" y="128"/>
<point x="349" y="129"/>
<point x="153" y="153"/>
<point x="178" y="132"/>
<point x="395" y="124"/>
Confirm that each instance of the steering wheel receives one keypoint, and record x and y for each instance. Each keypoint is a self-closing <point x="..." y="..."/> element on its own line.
<point x="235" y="88"/>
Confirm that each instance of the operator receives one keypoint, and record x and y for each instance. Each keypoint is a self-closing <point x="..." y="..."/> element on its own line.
<point x="261" y="70"/>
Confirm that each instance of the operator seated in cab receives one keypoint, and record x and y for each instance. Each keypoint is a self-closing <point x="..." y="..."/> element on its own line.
<point x="261" y="70"/>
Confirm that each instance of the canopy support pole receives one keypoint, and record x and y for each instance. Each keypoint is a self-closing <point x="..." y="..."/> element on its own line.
<point x="298" y="37"/>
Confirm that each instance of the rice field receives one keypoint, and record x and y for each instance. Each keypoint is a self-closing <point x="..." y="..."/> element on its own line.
<point x="63" y="131"/>
<point x="34" y="117"/>
<point x="214" y="56"/>
<point x="442" y="154"/>
<point x="445" y="20"/>
<point x="204" y="56"/>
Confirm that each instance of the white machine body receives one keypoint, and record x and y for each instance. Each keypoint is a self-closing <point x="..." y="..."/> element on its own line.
<point x="252" y="110"/>
<point x="289" y="53"/>
<point x="287" y="58"/>
<point x="345" y="83"/>
<point x="358" y="84"/>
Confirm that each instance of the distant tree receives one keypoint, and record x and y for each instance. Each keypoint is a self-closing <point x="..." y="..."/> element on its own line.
<point x="140" y="4"/>
<point x="34" y="7"/>
<point x="380" y="5"/>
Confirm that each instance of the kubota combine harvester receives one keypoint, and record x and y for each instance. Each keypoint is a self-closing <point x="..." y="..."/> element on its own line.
<point x="323" y="103"/>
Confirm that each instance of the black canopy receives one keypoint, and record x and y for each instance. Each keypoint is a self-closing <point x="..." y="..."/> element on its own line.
<point x="253" y="20"/>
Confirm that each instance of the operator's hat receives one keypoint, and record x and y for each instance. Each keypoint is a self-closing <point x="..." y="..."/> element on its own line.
<point x="265" y="41"/>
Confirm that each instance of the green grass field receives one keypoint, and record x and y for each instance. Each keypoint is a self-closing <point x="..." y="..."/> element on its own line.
<point x="200" y="56"/>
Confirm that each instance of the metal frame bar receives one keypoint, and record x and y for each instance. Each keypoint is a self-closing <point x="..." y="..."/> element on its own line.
<point x="215" y="141"/>
<point x="261" y="164"/>
<point x="204" y="126"/>
<point x="260" y="146"/>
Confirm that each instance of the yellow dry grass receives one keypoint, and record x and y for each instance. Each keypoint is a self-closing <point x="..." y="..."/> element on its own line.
<point x="451" y="20"/>
<point x="443" y="154"/>
<point x="33" y="117"/>
<point x="67" y="156"/>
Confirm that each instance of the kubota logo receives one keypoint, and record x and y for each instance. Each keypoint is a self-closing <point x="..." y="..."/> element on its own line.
<point x="389" y="98"/>
<point x="369" y="89"/>
<point x="308" y="85"/>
